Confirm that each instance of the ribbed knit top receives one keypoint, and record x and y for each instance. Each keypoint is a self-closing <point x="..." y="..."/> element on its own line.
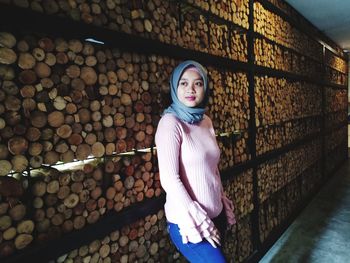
<point x="188" y="157"/>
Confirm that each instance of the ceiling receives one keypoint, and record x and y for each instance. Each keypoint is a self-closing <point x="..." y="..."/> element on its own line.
<point x="332" y="17"/>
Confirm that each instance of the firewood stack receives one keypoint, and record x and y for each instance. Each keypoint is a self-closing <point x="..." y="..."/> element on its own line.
<point x="226" y="152"/>
<point x="64" y="201"/>
<point x="293" y="193"/>
<point x="145" y="240"/>
<point x="17" y="229"/>
<point x="195" y="30"/>
<point x="132" y="179"/>
<point x="239" y="46"/>
<point x="336" y="62"/>
<point x="244" y="239"/>
<point x="336" y="100"/>
<point x="240" y="191"/>
<point x="277" y="136"/>
<point x="202" y="4"/>
<point x="280" y="195"/>
<point x="229" y="101"/>
<point x="335" y="119"/>
<point x="336" y="77"/>
<point x="281" y="32"/>
<point x="336" y="70"/>
<point x="280" y="118"/>
<point x="336" y="157"/>
<point x="155" y="19"/>
<point x="235" y="11"/>
<point x="274" y="103"/>
<point x="275" y="57"/>
<point x="310" y="179"/>
<point x="228" y="108"/>
<point x="219" y="39"/>
<point x="336" y="107"/>
<point x="233" y="150"/>
<point x="151" y="19"/>
<point x="268" y="219"/>
<point x="271" y="56"/>
<point x="335" y="139"/>
<point x="277" y="173"/>
<point x="282" y="5"/>
<point x="76" y="100"/>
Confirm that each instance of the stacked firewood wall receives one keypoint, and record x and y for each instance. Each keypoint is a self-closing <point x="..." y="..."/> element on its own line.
<point x="73" y="100"/>
<point x="336" y="110"/>
<point x="290" y="111"/>
<point x="279" y="179"/>
<point x="78" y="119"/>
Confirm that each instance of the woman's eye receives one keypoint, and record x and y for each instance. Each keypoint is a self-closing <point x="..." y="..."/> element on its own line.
<point x="199" y="83"/>
<point x="183" y="83"/>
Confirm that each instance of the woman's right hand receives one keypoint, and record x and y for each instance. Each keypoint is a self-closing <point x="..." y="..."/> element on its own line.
<point x="214" y="238"/>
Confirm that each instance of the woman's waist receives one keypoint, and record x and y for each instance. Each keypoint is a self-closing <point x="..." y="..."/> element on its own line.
<point x="175" y="212"/>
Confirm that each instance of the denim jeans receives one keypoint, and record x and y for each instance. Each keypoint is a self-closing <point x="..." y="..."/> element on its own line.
<point x="202" y="252"/>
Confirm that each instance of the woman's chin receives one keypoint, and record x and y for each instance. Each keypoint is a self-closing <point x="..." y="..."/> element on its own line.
<point x="191" y="104"/>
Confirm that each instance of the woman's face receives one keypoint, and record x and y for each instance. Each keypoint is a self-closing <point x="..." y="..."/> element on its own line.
<point x="190" y="90"/>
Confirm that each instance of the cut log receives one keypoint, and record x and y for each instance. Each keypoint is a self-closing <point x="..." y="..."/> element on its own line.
<point x="23" y="240"/>
<point x="7" y="40"/>
<point x="25" y="227"/>
<point x="7" y="56"/>
<point x="17" y="145"/>
<point x="33" y="134"/>
<point x="98" y="149"/>
<point x="19" y="163"/>
<point x="38" y="119"/>
<point x="5" y="167"/>
<point x="26" y="61"/>
<point x="64" y="131"/>
<point x="17" y="212"/>
<point x="56" y="119"/>
<point x="71" y="201"/>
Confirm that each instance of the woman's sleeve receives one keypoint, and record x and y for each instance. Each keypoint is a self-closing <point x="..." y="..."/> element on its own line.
<point x="196" y="224"/>
<point x="229" y="208"/>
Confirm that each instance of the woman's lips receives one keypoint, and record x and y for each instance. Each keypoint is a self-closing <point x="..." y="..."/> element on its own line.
<point x="191" y="98"/>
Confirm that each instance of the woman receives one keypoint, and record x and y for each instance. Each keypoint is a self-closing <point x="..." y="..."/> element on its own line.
<point x="196" y="207"/>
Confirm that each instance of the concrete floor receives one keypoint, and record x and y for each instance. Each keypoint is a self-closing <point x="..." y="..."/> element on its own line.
<point x="321" y="233"/>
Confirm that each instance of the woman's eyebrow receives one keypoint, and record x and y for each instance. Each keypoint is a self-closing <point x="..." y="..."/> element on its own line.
<point x="194" y="79"/>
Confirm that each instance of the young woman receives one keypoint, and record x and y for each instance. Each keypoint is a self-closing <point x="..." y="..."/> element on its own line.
<point x="196" y="207"/>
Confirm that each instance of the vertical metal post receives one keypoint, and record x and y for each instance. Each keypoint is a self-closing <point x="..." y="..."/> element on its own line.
<point x="323" y="116"/>
<point x="179" y="16"/>
<point x="252" y="127"/>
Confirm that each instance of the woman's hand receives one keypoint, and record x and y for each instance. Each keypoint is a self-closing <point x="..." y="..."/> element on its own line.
<point x="214" y="238"/>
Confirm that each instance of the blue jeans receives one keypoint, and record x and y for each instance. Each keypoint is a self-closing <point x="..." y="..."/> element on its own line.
<point x="202" y="252"/>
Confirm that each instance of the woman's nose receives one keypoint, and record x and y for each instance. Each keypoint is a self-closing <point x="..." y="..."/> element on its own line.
<point x="190" y="87"/>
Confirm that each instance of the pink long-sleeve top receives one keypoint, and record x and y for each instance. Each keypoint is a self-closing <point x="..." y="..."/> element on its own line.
<point x="188" y="157"/>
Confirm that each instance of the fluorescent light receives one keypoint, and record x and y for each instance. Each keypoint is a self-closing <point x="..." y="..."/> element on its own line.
<point x="94" y="41"/>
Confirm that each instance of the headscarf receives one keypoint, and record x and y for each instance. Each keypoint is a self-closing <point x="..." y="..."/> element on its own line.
<point x="184" y="113"/>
